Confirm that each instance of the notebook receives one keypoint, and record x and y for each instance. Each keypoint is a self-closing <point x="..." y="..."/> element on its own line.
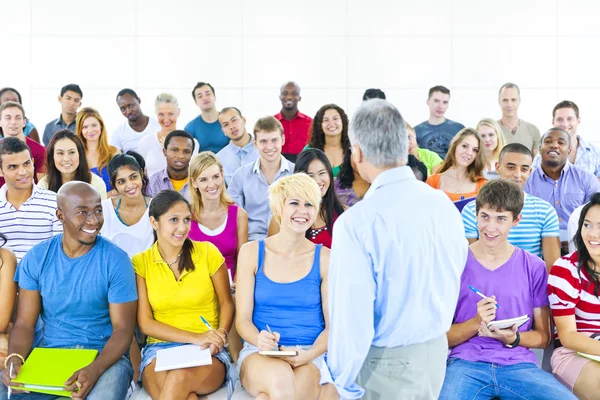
<point x="507" y="323"/>
<point x="47" y="370"/>
<point x="590" y="356"/>
<point x="187" y="356"/>
<point x="278" y="353"/>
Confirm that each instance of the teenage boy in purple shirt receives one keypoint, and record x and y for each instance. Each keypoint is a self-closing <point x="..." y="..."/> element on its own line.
<point x="486" y="363"/>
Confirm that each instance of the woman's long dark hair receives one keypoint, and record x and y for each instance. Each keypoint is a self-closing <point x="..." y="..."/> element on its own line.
<point x="126" y="160"/>
<point x="317" y="136"/>
<point x="160" y="205"/>
<point x="346" y="175"/>
<point x="585" y="260"/>
<point x="142" y="164"/>
<point x="330" y="205"/>
<point x="82" y="173"/>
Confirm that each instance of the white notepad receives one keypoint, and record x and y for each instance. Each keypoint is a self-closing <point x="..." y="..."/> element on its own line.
<point x="507" y="323"/>
<point x="186" y="356"/>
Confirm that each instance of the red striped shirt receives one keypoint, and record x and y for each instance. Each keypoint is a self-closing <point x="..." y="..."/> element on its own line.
<point x="572" y="293"/>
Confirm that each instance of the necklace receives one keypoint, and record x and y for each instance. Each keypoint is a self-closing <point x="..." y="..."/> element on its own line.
<point x="168" y="263"/>
<point x="315" y="232"/>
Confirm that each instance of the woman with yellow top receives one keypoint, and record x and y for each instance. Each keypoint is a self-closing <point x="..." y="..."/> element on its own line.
<point x="179" y="281"/>
<point x="492" y="138"/>
<point x="432" y="161"/>
<point x="460" y="176"/>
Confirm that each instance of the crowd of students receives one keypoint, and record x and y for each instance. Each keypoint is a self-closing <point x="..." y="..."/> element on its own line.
<point x="122" y="243"/>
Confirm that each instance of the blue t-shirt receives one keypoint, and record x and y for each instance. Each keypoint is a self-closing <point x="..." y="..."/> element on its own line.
<point x="76" y="292"/>
<point x="210" y="136"/>
<point x="437" y="137"/>
<point x="104" y="175"/>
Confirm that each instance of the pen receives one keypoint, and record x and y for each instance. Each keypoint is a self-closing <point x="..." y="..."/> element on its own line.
<point x="206" y="323"/>
<point x="10" y="372"/>
<point x="483" y="296"/>
<point x="271" y="332"/>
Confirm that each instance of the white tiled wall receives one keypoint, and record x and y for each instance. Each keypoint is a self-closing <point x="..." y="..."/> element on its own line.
<point x="334" y="48"/>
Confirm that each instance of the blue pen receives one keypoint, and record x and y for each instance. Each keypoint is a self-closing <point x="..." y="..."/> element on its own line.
<point x="483" y="296"/>
<point x="206" y="323"/>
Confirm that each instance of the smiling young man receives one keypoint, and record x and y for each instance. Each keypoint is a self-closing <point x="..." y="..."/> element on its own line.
<point x="127" y="136"/>
<point x="27" y="212"/>
<point x="516" y="130"/>
<point x="240" y="150"/>
<point x="178" y="149"/>
<point x="538" y="231"/>
<point x="561" y="184"/>
<point x="249" y="184"/>
<point x="205" y="128"/>
<point x="436" y="133"/>
<point x="582" y="154"/>
<point x="70" y="101"/>
<point x="96" y="308"/>
<point x="295" y="124"/>
<point x="487" y="362"/>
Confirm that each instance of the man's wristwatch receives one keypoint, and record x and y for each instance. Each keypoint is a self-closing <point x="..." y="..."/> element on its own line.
<point x="515" y="343"/>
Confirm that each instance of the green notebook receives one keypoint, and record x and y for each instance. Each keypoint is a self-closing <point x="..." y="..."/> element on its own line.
<point x="47" y="370"/>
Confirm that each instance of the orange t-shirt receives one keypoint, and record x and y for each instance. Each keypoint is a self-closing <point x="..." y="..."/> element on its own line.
<point x="434" y="182"/>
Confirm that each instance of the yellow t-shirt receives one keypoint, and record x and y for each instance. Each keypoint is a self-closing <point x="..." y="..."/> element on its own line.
<point x="181" y="303"/>
<point x="177" y="185"/>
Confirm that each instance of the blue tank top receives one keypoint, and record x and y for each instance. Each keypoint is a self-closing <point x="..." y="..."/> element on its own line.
<point x="293" y="309"/>
<point x="104" y="175"/>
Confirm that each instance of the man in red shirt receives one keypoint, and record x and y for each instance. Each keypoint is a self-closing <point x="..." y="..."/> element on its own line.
<point x="295" y="124"/>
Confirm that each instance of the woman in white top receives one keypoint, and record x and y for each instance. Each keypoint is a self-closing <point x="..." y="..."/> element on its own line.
<point x="65" y="162"/>
<point x="151" y="146"/>
<point x="126" y="220"/>
<point x="492" y="138"/>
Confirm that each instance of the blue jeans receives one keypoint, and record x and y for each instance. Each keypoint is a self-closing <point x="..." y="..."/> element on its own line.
<point x="112" y="385"/>
<point x="470" y="380"/>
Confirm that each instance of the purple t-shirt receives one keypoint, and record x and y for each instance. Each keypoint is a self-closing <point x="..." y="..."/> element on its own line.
<point x="520" y="285"/>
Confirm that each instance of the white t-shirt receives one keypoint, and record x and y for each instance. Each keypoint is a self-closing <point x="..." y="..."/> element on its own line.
<point x="96" y="182"/>
<point x="125" y="138"/>
<point x="152" y="151"/>
<point x="131" y="239"/>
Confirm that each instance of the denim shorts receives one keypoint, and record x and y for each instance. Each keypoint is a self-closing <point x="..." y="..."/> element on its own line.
<point x="149" y="354"/>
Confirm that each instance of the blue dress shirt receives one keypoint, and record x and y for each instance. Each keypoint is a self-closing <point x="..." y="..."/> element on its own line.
<point x="394" y="275"/>
<point x="249" y="190"/>
<point x="233" y="157"/>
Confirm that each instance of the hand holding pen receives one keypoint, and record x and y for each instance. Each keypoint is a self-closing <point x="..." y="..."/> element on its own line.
<point x="268" y="340"/>
<point x="213" y="338"/>
<point x="486" y="308"/>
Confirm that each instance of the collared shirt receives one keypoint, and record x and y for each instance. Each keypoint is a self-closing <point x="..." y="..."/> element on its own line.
<point x="394" y="274"/>
<point x="34" y="222"/>
<point x="587" y="158"/>
<point x="54" y="126"/>
<point x="249" y="190"/>
<point x="572" y="189"/>
<point x="233" y="157"/>
<point x="539" y="221"/>
<point x="295" y="131"/>
<point x="161" y="181"/>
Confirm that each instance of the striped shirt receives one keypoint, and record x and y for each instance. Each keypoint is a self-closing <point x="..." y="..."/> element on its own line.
<point x="570" y="294"/>
<point x="539" y="221"/>
<point x="34" y="222"/>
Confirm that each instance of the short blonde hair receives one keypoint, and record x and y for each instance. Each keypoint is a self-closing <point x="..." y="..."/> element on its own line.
<point x="499" y="134"/>
<point x="198" y="164"/>
<point x="268" y="124"/>
<point x="297" y="186"/>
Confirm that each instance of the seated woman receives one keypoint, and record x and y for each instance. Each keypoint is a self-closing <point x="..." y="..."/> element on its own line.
<point x="430" y="158"/>
<point x="151" y="146"/>
<point x="90" y="128"/>
<point x="65" y="162"/>
<point x="573" y="290"/>
<point x="330" y="134"/>
<point x="10" y="94"/>
<point x="8" y="295"/>
<point x="216" y="218"/>
<point x="349" y="186"/>
<point x="460" y="176"/>
<point x="282" y="299"/>
<point x="178" y="282"/>
<point x="492" y="138"/>
<point x="315" y="164"/>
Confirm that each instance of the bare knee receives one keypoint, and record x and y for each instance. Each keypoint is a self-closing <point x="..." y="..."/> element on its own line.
<point x="281" y="386"/>
<point x="177" y="379"/>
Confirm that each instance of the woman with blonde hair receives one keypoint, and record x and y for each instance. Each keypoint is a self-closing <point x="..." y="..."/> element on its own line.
<point x="282" y="299"/>
<point x="90" y="128"/>
<point x="430" y="158"/>
<point x="151" y="146"/>
<point x="493" y="142"/>
<point x="460" y="176"/>
<point x="216" y="218"/>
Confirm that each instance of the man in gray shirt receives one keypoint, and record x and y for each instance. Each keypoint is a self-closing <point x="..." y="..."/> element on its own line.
<point x="70" y="101"/>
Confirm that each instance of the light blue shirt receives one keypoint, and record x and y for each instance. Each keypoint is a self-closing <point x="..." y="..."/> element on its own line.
<point x="539" y="221"/>
<point x="233" y="157"/>
<point x="587" y="158"/>
<point x="249" y="190"/>
<point x="394" y="275"/>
